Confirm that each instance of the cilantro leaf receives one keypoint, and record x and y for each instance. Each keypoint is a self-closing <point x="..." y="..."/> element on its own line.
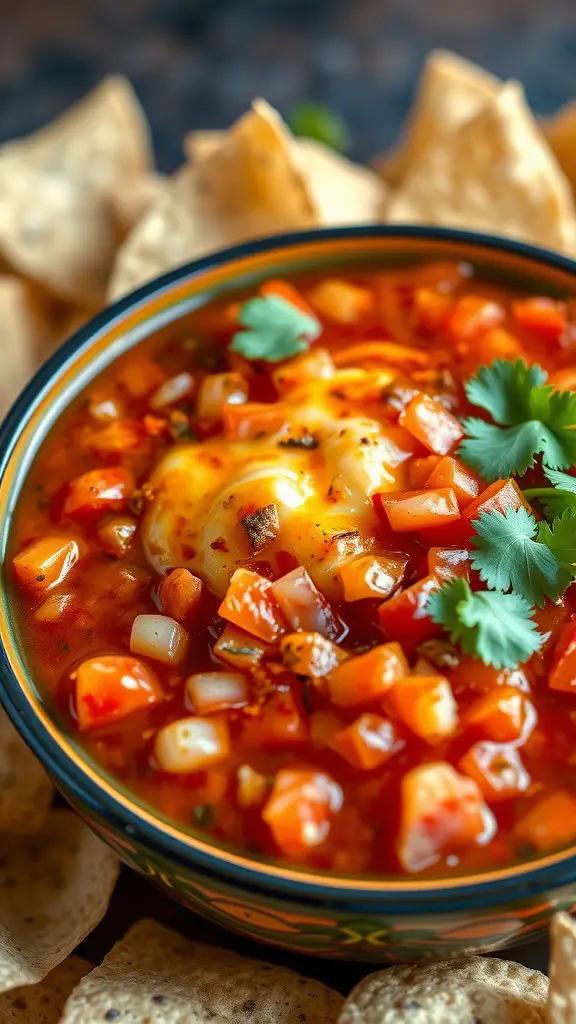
<point x="511" y="556"/>
<point x="503" y="390"/>
<point x="495" y="627"/>
<point x="560" y="538"/>
<point x="533" y="419"/>
<point x="562" y="480"/>
<point x="315" y="121"/>
<point x="277" y="330"/>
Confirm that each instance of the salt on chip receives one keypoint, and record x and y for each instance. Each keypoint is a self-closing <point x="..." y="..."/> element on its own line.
<point x="249" y="186"/>
<point x="154" y="976"/>
<point x="25" y="789"/>
<point x="43" y="1003"/>
<point x="451" y="91"/>
<point x="562" y="997"/>
<point x="496" y="173"/>
<point x="342" y="192"/>
<point x="475" y="990"/>
<point x="55" y="888"/>
<point x="560" y="131"/>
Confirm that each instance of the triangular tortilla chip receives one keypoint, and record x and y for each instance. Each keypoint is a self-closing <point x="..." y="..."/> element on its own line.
<point x="342" y="192"/>
<point x="560" y="131"/>
<point x="43" y="1003"/>
<point x="562" y="998"/>
<point x="495" y="174"/>
<point x="154" y="976"/>
<point x="249" y="186"/>
<point x="26" y="331"/>
<point x="55" y="888"/>
<point x="451" y="91"/>
<point x="475" y="990"/>
<point x="131" y="199"/>
<point x="25" y="789"/>
<point x="202" y="144"/>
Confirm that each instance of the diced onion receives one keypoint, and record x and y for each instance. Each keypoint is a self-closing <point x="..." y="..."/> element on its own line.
<point x="218" y="390"/>
<point x="172" y="390"/>
<point x="159" y="637"/>
<point x="216" y="691"/>
<point x="191" y="745"/>
<point x="304" y="606"/>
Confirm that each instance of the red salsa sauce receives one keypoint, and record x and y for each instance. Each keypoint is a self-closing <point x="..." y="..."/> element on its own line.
<point x="221" y="565"/>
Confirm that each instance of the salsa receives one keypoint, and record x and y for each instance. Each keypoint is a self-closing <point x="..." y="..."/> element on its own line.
<point x="301" y="579"/>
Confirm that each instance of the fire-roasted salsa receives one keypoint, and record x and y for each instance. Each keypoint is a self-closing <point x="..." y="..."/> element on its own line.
<point x="301" y="578"/>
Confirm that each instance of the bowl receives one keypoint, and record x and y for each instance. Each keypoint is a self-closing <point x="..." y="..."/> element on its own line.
<point x="364" y="918"/>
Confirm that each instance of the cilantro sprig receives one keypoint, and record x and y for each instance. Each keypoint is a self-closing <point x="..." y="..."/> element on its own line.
<point x="495" y="627"/>
<point x="557" y="499"/>
<point x="530" y="419"/>
<point x="276" y="329"/>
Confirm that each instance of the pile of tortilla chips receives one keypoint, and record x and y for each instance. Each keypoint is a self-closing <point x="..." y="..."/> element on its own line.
<point x="85" y="218"/>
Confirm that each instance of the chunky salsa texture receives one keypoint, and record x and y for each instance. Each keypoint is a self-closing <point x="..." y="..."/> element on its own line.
<point x="272" y="573"/>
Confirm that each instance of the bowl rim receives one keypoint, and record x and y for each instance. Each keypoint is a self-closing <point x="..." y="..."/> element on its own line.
<point x="128" y="816"/>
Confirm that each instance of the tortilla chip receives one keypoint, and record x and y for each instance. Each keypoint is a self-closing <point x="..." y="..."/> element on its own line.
<point x="25" y="789"/>
<point x="342" y="192"/>
<point x="450" y="92"/>
<point x="154" y="976"/>
<point x="55" y="888"/>
<point x="495" y="174"/>
<point x="25" y="330"/>
<point x="43" y="1003"/>
<point x="131" y="199"/>
<point x="103" y="140"/>
<point x="476" y="990"/>
<point x="249" y="186"/>
<point x="56" y="230"/>
<point x="560" y="131"/>
<point x="200" y="145"/>
<point x="562" y="998"/>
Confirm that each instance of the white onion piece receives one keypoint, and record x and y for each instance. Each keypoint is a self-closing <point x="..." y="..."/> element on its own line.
<point x="304" y="606"/>
<point x="172" y="390"/>
<point x="191" y="745"/>
<point x="159" y="637"/>
<point x="216" y="691"/>
<point x="218" y="389"/>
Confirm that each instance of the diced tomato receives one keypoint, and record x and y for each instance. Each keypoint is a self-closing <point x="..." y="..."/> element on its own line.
<point x="405" y="618"/>
<point x="426" y="705"/>
<point x="411" y="511"/>
<point x="117" y="437"/>
<point x="179" y="593"/>
<point x="341" y="301"/>
<point x="116" y="534"/>
<point x="431" y="310"/>
<point x="431" y="424"/>
<point x="300" y="810"/>
<point x="504" y="714"/>
<point x="374" y="353"/>
<point x="303" y="606"/>
<point x="542" y="317"/>
<point x="446" y="563"/>
<point x="472" y="315"/>
<point x="496" y="343"/>
<point x="368" y="743"/>
<point x="218" y="390"/>
<point x="112" y="686"/>
<point x="563" y="672"/>
<point x="250" y="604"/>
<point x="282" y="723"/>
<point x="419" y="470"/>
<point x="441" y="812"/>
<point x="367" y="677"/>
<point x="497" y="497"/>
<point x="451" y="473"/>
<point x="550" y="823"/>
<point x="54" y="608"/>
<point x="285" y="290"/>
<point x="252" y="420"/>
<point x="323" y="726"/>
<point x="240" y="649"/>
<point x="372" y="575"/>
<point x="458" y="533"/>
<point x="317" y="364"/>
<point x="139" y="375"/>
<point x="47" y="562"/>
<point x="472" y="674"/>
<point x="310" y="654"/>
<point x="99" y="490"/>
<point x="497" y="769"/>
<point x="563" y="380"/>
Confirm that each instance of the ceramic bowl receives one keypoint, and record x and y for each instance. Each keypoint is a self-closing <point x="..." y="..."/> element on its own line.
<point x="362" y="918"/>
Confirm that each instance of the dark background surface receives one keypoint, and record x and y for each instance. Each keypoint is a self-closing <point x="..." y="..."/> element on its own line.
<point x="198" y="64"/>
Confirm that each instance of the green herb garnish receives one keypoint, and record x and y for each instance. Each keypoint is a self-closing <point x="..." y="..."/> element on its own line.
<point x="277" y="330"/>
<point x="315" y="121"/>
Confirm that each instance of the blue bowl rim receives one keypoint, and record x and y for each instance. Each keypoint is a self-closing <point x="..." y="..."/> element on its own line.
<point x="528" y="879"/>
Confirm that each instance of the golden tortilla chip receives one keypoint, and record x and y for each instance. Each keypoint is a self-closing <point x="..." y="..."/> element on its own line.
<point x="560" y="131"/>
<point x="202" y="144"/>
<point x="43" y="1003"/>
<point x="25" y="330"/>
<point x="562" y="998"/>
<point x="451" y="91"/>
<point x="475" y="990"/>
<point x="249" y="186"/>
<point x="55" y="888"/>
<point x="495" y="174"/>
<point x="154" y="976"/>
<point x="25" y="789"/>
<point x="103" y="140"/>
<point x="131" y="199"/>
<point x="342" y="192"/>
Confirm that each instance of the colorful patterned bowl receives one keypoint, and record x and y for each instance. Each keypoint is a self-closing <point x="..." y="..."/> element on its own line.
<point x="353" y="918"/>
